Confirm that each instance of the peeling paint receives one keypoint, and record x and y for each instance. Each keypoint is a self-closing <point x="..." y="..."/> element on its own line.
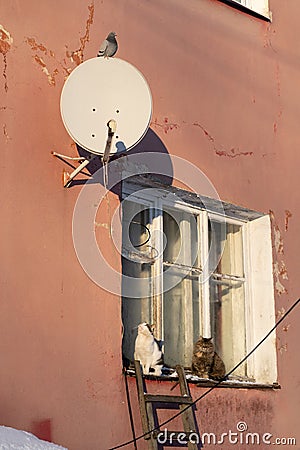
<point x="166" y="125"/>
<point x="279" y="268"/>
<point x="283" y="348"/>
<point x="35" y="46"/>
<point x="232" y="153"/>
<point x="280" y="271"/>
<point x="280" y="313"/>
<point x="76" y="56"/>
<point x="267" y="38"/>
<point x="6" y="42"/>
<point x="50" y="76"/>
<point x="288" y="215"/>
<point x="39" y="47"/>
<point x="102" y="225"/>
<point x="5" y="132"/>
<point x="278" y="241"/>
<point x="41" y="61"/>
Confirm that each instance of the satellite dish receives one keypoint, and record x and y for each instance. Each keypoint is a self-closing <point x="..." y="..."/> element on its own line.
<point x="100" y="91"/>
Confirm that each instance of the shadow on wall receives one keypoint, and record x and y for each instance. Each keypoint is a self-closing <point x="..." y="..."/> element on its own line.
<point x="150" y="143"/>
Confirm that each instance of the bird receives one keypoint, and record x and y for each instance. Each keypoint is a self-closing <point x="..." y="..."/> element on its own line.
<point x="109" y="46"/>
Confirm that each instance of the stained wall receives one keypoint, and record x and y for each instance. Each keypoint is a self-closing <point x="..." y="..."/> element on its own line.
<point x="225" y="98"/>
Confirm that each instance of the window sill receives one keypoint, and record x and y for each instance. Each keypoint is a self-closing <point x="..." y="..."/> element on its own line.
<point x="202" y="382"/>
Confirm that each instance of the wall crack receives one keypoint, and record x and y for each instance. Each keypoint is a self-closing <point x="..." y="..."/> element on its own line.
<point x="166" y="126"/>
<point x="218" y="149"/>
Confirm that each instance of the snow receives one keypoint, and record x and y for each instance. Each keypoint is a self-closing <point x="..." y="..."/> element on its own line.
<point x="12" y="439"/>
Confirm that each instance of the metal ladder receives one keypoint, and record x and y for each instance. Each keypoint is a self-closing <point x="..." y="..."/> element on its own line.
<point x="148" y="403"/>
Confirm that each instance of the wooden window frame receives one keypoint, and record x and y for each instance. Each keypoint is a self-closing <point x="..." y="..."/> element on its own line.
<point x="259" y="289"/>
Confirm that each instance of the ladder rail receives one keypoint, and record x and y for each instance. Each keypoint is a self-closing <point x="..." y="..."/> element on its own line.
<point x="148" y="404"/>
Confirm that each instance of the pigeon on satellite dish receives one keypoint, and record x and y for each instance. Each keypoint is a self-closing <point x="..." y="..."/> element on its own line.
<point x="109" y="46"/>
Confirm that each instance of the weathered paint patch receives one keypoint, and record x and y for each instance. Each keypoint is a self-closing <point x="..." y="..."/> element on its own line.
<point x="6" y="42"/>
<point x="278" y="240"/>
<point x="41" y="61"/>
<point x="45" y="57"/>
<point x="45" y="70"/>
<point x="279" y="268"/>
<point x="288" y="215"/>
<point x="102" y="225"/>
<point x="233" y="153"/>
<point x="41" y="47"/>
<point x="76" y="56"/>
<point x="50" y="55"/>
<point x="5" y="133"/>
<point x="280" y="272"/>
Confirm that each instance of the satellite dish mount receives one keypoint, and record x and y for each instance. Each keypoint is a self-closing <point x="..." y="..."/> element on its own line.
<point x="106" y="108"/>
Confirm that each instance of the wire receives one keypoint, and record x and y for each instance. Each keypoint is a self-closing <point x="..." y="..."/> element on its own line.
<point x="130" y="410"/>
<point x="148" y="231"/>
<point x="213" y="387"/>
<point x="148" y="237"/>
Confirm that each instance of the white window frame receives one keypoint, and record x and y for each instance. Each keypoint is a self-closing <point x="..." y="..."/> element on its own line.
<point x="259" y="288"/>
<point x="260" y="7"/>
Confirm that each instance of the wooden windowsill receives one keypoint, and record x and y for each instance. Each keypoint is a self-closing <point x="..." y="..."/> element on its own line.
<point x="201" y="382"/>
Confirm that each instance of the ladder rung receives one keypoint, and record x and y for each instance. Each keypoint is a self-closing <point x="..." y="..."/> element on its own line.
<point x="168" y="399"/>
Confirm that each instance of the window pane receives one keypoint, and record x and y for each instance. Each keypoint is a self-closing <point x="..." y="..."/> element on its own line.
<point x="227" y="299"/>
<point x="181" y="306"/>
<point x="226" y="248"/>
<point x="227" y="308"/>
<point x="135" y="248"/>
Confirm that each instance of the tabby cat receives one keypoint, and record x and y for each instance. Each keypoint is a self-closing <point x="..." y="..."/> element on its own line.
<point x="206" y="363"/>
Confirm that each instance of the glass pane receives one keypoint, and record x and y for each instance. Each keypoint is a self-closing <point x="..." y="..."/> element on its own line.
<point x="227" y="299"/>
<point x="181" y="306"/>
<point x="227" y="309"/>
<point x="181" y="231"/>
<point x="135" y="244"/>
<point x="226" y="248"/>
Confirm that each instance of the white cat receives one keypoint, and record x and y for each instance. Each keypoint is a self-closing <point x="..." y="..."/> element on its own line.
<point x="147" y="350"/>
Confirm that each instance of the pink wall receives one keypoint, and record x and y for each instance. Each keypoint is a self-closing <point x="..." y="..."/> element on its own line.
<point x="225" y="93"/>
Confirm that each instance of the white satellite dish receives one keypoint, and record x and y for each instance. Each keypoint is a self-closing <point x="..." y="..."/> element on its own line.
<point x="101" y="90"/>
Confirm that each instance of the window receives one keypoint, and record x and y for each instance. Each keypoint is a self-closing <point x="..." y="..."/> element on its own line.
<point x="260" y="7"/>
<point x="191" y="271"/>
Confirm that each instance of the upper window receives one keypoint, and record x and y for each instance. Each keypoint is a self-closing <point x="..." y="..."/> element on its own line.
<point x="260" y="7"/>
<point x="198" y="272"/>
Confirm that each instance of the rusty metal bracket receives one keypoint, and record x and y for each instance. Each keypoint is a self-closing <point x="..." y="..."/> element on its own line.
<point x="68" y="177"/>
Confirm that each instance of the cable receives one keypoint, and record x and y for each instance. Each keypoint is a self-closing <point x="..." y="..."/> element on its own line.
<point x="130" y="410"/>
<point x="148" y="237"/>
<point x="213" y="387"/>
<point x="146" y="228"/>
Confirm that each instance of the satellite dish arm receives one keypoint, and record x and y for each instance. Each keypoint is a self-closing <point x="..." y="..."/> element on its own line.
<point x="112" y="127"/>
